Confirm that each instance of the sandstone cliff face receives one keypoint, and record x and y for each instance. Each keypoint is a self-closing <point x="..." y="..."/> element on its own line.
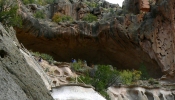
<point x="157" y="34"/>
<point x="114" y="41"/>
<point x="18" y="81"/>
<point x="123" y="41"/>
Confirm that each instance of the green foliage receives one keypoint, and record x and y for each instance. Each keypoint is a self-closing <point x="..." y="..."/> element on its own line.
<point x="44" y="56"/>
<point x="77" y="66"/>
<point x="66" y="18"/>
<point x="40" y="2"/>
<point x="39" y="14"/>
<point x="144" y="72"/>
<point x="86" y="79"/>
<point x="152" y="81"/>
<point x="129" y="76"/>
<point x="89" y="18"/>
<point x="57" y="17"/>
<point x="136" y="75"/>
<point x="112" y="11"/>
<point x="61" y="18"/>
<point x="126" y="76"/>
<point x="49" y="1"/>
<point x="8" y="13"/>
<point x="105" y="94"/>
<point x="92" y="4"/>
<point x="104" y="76"/>
<point x="47" y="57"/>
<point x="28" y="1"/>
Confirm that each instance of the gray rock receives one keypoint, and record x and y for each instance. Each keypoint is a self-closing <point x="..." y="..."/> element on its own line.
<point x="18" y="81"/>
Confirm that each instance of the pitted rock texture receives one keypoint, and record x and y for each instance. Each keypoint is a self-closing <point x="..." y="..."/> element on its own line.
<point x="140" y="93"/>
<point x="18" y="81"/>
<point x="138" y="6"/>
<point x="158" y="34"/>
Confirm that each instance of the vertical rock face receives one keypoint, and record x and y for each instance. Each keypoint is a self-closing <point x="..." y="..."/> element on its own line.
<point x="18" y="81"/>
<point x="158" y="34"/>
<point x="144" y="5"/>
<point x="132" y="6"/>
<point x="137" y="6"/>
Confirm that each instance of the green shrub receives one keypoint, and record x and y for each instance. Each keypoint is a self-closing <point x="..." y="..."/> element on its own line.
<point x="47" y="57"/>
<point x="89" y="18"/>
<point x="61" y="18"/>
<point x="43" y="56"/>
<point x="144" y="72"/>
<point x="40" y="2"/>
<point x="57" y="17"/>
<point x="49" y="1"/>
<point x="111" y="10"/>
<point x="8" y="13"/>
<point x="77" y="66"/>
<point x="86" y="79"/>
<point x="66" y="18"/>
<point x="39" y="14"/>
<point x="28" y="1"/>
<point x="136" y="75"/>
<point x="126" y="76"/>
<point x="92" y="4"/>
<point x="130" y="76"/>
<point x="103" y="77"/>
<point x="152" y="81"/>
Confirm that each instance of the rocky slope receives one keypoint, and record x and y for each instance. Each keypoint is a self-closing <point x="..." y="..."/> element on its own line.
<point x="18" y="81"/>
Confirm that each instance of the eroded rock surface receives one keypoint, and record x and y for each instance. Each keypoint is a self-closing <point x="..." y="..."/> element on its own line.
<point x="18" y="81"/>
<point x="158" y="34"/>
<point x="140" y="93"/>
<point x="125" y="41"/>
<point x="114" y="41"/>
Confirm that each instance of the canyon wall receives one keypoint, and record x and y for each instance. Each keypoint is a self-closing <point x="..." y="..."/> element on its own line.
<point x="125" y="41"/>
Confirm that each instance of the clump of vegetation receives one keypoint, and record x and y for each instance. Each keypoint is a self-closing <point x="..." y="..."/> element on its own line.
<point x="111" y="10"/>
<point x="39" y="14"/>
<point x="152" y="81"/>
<point x="129" y="76"/>
<point x="103" y="76"/>
<point x="8" y="13"/>
<point x="144" y="71"/>
<point x="89" y="18"/>
<point x="80" y="66"/>
<point x="92" y="4"/>
<point x="61" y="18"/>
<point x="77" y="66"/>
<point x="44" y="56"/>
<point x="40" y="2"/>
<point x="28" y="1"/>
